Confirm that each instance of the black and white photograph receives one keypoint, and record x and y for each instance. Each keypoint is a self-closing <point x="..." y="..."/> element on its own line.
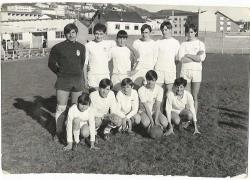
<point x="125" y="89"/>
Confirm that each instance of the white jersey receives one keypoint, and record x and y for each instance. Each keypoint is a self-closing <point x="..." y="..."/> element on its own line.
<point x="177" y="105"/>
<point x="98" y="56"/>
<point x="192" y="47"/>
<point x="147" y="54"/>
<point x="121" y="59"/>
<point x="86" y="116"/>
<point x="128" y="104"/>
<point x="150" y="96"/>
<point x="166" y="54"/>
<point x="102" y="105"/>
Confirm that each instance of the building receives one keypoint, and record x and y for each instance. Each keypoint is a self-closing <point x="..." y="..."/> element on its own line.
<point x="13" y="16"/>
<point x="20" y="7"/>
<point x="117" y="20"/>
<point x="177" y="18"/>
<point x="216" y="21"/>
<point x="31" y="33"/>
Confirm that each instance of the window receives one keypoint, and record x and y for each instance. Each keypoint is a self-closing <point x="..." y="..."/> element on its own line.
<point x="175" y="32"/>
<point x="221" y="23"/>
<point x="175" y="25"/>
<point x="221" y="18"/>
<point x="221" y="28"/>
<point x="228" y="29"/>
<point x="136" y="27"/>
<point x="229" y="23"/>
<point x="179" y="32"/>
<point x="18" y="36"/>
<point x="59" y="34"/>
<point x="117" y="26"/>
<point x="175" y="19"/>
<point x="126" y="27"/>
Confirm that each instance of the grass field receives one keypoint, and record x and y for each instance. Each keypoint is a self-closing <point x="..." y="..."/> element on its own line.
<point x="28" y="103"/>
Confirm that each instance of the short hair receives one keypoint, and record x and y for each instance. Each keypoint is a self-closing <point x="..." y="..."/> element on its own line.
<point x="100" y="27"/>
<point x="69" y="27"/>
<point x="84" y="99"/>
<point x="105" y="83"/>
<point x="151" y="75"/>
<point x="167" y="24"/>
<point x="127" y="81"/>
<point x="122" y="34"/>
<point x="191" y="26"/>
<point x="180" y="81"/>
<point x="146" y="26"/>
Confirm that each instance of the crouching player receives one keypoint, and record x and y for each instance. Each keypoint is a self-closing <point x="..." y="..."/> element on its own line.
<point x="80" y="121"/>
<point x="128" y="104"/>
<point x="151" y="97"/>
<point x="104" y="101"/>
<point x="180" y="106"/>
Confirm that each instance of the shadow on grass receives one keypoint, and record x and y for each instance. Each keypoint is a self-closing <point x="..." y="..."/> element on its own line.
<point x="232" y="124"/>
<point x="40" y="109"/>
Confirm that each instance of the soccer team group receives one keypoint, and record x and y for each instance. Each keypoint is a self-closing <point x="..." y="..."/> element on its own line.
<point x="141" y="88"/>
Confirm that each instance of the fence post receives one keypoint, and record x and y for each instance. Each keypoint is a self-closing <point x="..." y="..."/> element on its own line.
<point x="13" y="54"/>
<point x="29" y="53"/>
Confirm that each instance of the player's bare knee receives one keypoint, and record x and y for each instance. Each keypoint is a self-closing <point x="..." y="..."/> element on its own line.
<point x="76" y="124"/>
<point x="85" y="131"/>
<point x="137" y="119"/>
<point x="176" y="120"/>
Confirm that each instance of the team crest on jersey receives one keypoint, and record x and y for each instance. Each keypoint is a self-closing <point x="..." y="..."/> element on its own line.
<point x="78" y="52"/>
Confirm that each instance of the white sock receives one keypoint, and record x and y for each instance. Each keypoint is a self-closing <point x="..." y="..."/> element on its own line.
<point x="76" y="134"/>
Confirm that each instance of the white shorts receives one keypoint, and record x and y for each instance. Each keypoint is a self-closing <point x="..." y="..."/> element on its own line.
<point x="165" y="77"/>
<point x="117" y="79"/>
<point x="94" y="79"/>
<point x="191" y="75"/>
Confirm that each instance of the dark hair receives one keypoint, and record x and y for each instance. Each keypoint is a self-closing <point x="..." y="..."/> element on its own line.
<point x="100" y="27"/>
<point x="127" y="81"/>
<point x="146" y="26"/>
<point x="180" y="81"/>
<point x="84" y="99"/>
<point x="69" y="27"/>
<point x="151" y="75"/>
<point x="122" y="34"/>
<point x="105" y="83"/>
<point x="191" y="26"/>
<point x="167" y="24"/>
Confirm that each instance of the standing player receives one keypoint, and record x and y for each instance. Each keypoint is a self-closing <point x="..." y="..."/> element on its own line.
<point x="168" y="48"/>
<point x="81" y="120"/>
<point x="66" y="60"/>
<point x="96" y="65"/>
<point x="192" y="54"/>
<point x="104" y="101"/>
<point x="128" y="104"/>
<point x="146" y="49"/>
<point x="121" y="57"/>
<point x="150" y="98"/>
<point x="180" y="106"/>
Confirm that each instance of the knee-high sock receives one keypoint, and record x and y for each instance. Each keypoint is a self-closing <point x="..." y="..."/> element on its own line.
<point x="76" y="134"/>
<point x="59" y="121"/>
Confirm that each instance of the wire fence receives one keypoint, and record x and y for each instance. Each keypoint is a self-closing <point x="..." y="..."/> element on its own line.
<point x="20" y="54"/>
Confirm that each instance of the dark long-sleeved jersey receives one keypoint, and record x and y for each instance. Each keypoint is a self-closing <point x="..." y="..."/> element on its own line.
<point x="67" y="59"/>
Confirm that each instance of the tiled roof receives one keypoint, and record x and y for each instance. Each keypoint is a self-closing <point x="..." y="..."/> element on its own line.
<point x="118" y="16"/>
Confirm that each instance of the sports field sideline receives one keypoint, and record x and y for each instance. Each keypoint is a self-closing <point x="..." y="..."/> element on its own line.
<point x="28" y="103"/>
